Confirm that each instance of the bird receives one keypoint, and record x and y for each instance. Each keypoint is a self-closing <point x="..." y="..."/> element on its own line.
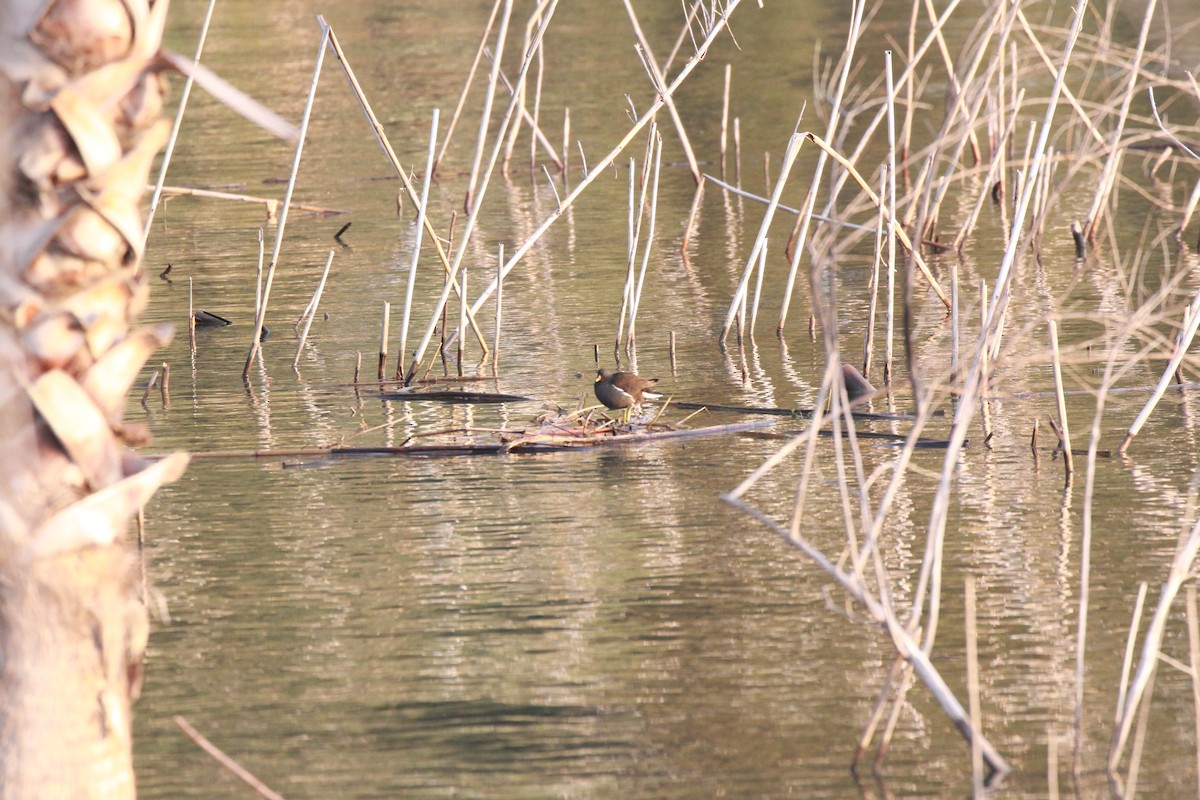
<point x="623" y="390"/>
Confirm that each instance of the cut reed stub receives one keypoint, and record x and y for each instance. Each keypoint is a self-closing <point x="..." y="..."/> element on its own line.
<point x="1080" y="240"/>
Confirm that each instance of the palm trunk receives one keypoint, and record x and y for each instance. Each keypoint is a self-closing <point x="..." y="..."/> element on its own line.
<point x="79" y="128"/>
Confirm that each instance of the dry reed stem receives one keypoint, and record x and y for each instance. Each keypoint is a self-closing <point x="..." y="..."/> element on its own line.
<point x="1109" y="173"/>
<point x="385" y="145"/>
<point x="972" y="635"/>
<point x="719" y="25"/>
<point x="422" y="216"/>
<point x="658" y="81"/>
<point x="799" y="236"/>
<point x="656" y="141"/>
<point x="894" y="225"/>
<point x="539" y="137"/>
<point x="889" y="213"/>
<point x="499" y="307"/>
<point x="383" y="337"/>
<point x="184" y="94"/>
<point x="1193" y="628"/>
<point x="485" y="115"/>
<point x="1181" y="567"/>
<point x="549" y="7"/>
<point x="462" y="98"/>
<point x="873" y="283"/>
<point x="1061" y="400"/>
<point x="789" y="159"/>
<point x="260" y="317"/>
<point x="312" y="313"/>
<point x="228" y="763"/>
<point x="1184" y="343"/>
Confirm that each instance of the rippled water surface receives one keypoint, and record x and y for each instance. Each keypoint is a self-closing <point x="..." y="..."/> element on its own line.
<point x="594" y="623"/>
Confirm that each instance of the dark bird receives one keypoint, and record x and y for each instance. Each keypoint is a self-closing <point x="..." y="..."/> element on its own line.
<point x="623" y="390"/>
<point x="858" y="388"/>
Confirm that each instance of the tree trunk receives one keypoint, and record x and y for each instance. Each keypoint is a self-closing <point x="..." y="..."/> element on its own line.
<point x="80" y="101"/>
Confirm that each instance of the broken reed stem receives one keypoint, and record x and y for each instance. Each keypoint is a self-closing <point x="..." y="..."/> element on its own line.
<point x="671" y="350"/>
<point x="422" y="214"/>
<point x="225" y="761"/>
<point x="357" y="366"/>
<point x="281" y="225"/>
<point x="165" y="384"/>
<point x="499" y="307"/>
<point x="312" y="313"/>
<point x="184" y="94"/>
<point x="1068" y="460"/>
<point x="485" y="115"/>
<point x="149" y="385"/>
<point x="383" y="337"/>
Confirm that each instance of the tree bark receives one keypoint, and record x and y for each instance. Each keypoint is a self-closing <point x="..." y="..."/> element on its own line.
<point x="80" y="100"/>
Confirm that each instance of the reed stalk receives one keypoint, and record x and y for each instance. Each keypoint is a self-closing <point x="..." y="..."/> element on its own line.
<point x="656" y="141"/>
<point x="422" y="215"/>
<point x="462" y="320"/>
<point x="658" y="81"/>
<point x="799" y="236"/>
<point x="312" y="313"/>
<point x="472" y="217"/>
<point x="1056" y="361"/>
<point x="409" y="191"/>
<point x="789" y="158"/>
<point x="462" y="97"/>
<point x="485" y="115"/>
<point x="281" y="225"/>
<point x="718" y="25"/>
<point x="184" y="94"/>
<point x="499" y="308"/>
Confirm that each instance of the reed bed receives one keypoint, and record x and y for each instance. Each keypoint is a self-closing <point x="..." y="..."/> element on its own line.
<point x="1023" y="118"/>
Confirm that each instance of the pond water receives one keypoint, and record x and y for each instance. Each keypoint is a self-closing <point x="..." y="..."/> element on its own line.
<point x="598" y="623"/>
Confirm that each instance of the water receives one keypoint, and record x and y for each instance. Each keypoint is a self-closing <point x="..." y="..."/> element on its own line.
<point x="595" y="623"/>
